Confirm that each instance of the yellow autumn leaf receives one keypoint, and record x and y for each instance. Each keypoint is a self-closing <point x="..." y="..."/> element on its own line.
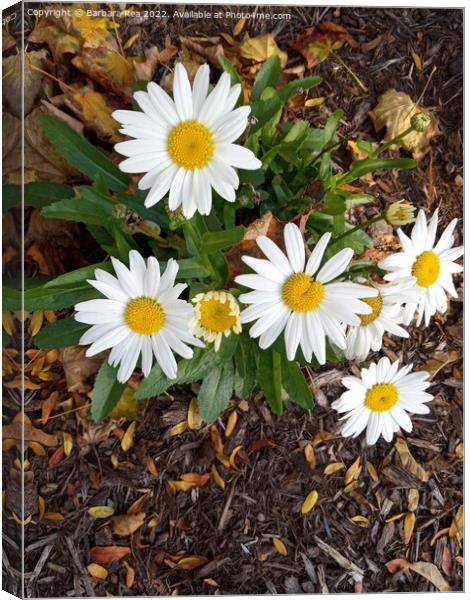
<point x="96" y="114"/>
<point x="333" y="468"/>
<point x="36" y="322"/>
<point x="239" y="25"/>
<point x="217" y="478"/>
<point x="124" y="525"/>
<point x="53" y="516"/>
<point x="68" y="443"/>
<point x="310" y="457"/>
<point x="97" y="571"/>
<point x="353" y="472"/>
<point x="413" y="499"/>
<point x="456" y="528"/>
<point x="117" y="67"/>
<point x="128" y="438"/>
<point x="178" y="428"/>
<point x="41" y="507"/>
<point x="127" y="407"/>
<point x="93" y="30"/>
<point x="408" y="527"/>
<point x="394" y="112"/>
<point x="101" y="512"/>
<point x="7" y="321"/>
<point x="280" y="546"/>
<point x="262" y="47"/>
<point x="372" y="471"/>
<point x="231" y="422"/>
<point x="194" y="418"/>
<point x="309" y="502"/>
<point x="360" y="519"/>
<point x="396" y="517"/>
<point x="311" y="102"/>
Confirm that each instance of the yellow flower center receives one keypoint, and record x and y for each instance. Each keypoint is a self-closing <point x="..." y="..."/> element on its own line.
<point x="215" y="315"/>
<point x="301" y="293"/>
<point x="381" y="397"/>
<point x="191" y="145"/>
<point x="144" y="315"/>
<point x="376" y="305"/>
<point x="426" y="268"/>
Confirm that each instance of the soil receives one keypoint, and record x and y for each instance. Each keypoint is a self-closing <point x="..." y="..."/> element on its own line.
<point x="233" y="528"/>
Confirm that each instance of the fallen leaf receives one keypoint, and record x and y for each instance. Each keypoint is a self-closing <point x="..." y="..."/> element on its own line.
<point x="53" y="516"/>
<point x="316" y="43"/>
<point x="95" y="31"/>
<point x="438" y="361"/>
<point x="128" y="439"/>
<point x="232" y="457"/>
<point x="59" y="42"/>
<point x="108" y="68"/>
<point x="19" y="431"/>
<point x="309" y="502"/>
<point x="124" y="525"/>
<point x="94" y="110"/>
<point x="372" y="471"/>
<point x="263" y="443"/>
<point x="217" y="478"/>
<point x="196" y="478"/>
<point x="231" y="422"/>
<point x="216" y="440"/>
<point x="41" y="507"/>
<point x="96" y="570"/>
<point x="188" y="563"/>
<point x="23" y="75"/>
<point x="68" y="443"/>
<point x="101" y="512"/>
<point x="427" y="570"/>
<point x="408" y="462"/>
<point x="127" y="407"/>
<point x="262" y="47"/>
<point x="178" y="429"/>
<point x="353" y="472"/>
<point x="417" y="60"/>
<point x="280" y="546"/>
<point x="78" y="367"/>
<point x="360" y="519"/>
<point x="194" y="418"/>
<point x="130" y="574"/>
<point x="394" y="112"/>
<point x="239" y="25"/>
<point x="333" y="468"/>
<point x="104" y="555"/>
<point x="309" y="454"/>
<point x="180" y="486"/>
<point x="413" y="499"/>
<point x="456" y="528"/>
<point x="408" y="527"/>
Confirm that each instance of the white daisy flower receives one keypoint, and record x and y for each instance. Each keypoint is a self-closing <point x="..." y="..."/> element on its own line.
<point x="299" y="297"/>
<point x="432" y="265"/>
<point x="185" y="144"/>
<point x="381" y="399"/>
<point x="387" y="315"/>
<point x="217" y="314"/>
<point x="141" y="314"/>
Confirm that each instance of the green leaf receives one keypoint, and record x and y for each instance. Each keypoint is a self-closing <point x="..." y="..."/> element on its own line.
<point x="291" y="88"/>
<point x="215" y="392"/>
<point x="212" y="241"/>
<point x="55" y="298"/>
<point x="106" y="393"/>
<point x="62" y="333"/>
<point x="81" y="154"/>
<point x="331" y="126"/>
<point x="265" y="110"/>
<point x="229" y="68"/>
<point x="334" y="204"/>
<point x="11" y="299"/>
<point x="5" y="339"/>
<point x="36" y="193"/>
<point x="268" y="75"/>
<point x="246" y="367"/>
<point x="78" y="275"/>
<point x="270" y="378"/>
<point x="293" y="381"/>
<point x="369" y="165"/>
<point x="90" y="207"/>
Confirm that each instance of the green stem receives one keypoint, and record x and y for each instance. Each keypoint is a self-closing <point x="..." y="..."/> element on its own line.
<point x="193" y="234"/>
<point x="397" y="139"/>
<point x="358" y="227"/>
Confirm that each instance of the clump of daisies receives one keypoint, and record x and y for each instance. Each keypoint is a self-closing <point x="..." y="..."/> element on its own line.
<point x="185" y="144"/>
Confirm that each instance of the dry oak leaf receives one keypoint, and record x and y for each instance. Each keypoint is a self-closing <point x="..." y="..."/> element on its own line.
<point x="394" y="112"/>
<point x="104" y="555"/>
<point x="261" y="47"/>
<point x="19" y="431"/>
<point x="108" y="68"/>
<point x="124" y="525"/>
<point x="427" y="570"/>
<point x="78" y="367"/>
<point x="438" y="361"/>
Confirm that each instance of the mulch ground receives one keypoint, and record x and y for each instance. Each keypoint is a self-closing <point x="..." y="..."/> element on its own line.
<point x="233" y="528"/>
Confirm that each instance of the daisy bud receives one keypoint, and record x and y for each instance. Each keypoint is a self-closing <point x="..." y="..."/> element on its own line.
<point x="420" y="122"/>
<point x="400" y="213"/>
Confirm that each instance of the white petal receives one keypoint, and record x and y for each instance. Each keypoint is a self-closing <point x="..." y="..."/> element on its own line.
<point x="316" y="256"/>
<point x="182" y="94"/>
<point x="200" y="88"/>
<point x="335" y="266"/>
<point x="295" y="247"/>
<point x="237" y="156"/>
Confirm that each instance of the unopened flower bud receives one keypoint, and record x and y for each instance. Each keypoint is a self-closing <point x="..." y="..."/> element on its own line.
<point x="400" y="213"/>
<point x="420" y="121"/>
